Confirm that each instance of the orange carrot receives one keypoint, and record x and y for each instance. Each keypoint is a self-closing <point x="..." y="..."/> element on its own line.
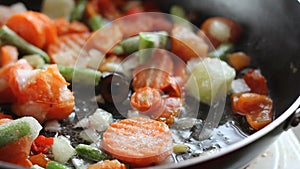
<point x="238" y="60"/>
<point x="138" y="141"/>
<point x="256" y="81"/>
<point x="36" y="28"/>
<point x="186" y="44"/>
<point x="43" y="94"/>
<point x="6" y="93"/>
<point x="5" y="116"/>
<point x="256" y="107"/>
<point x="108" y="164"/>
<point x="65" y="27"/>
<point x="8" y="54"/>
<point x="67" y="49"/>
<point x="39" y="159"/>
<point x="17" y="152"/>
<point x="147" y="100"/>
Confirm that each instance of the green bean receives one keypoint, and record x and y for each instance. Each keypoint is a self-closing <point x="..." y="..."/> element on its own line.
<point x="90" y="153"/>
<point x="130" y="45"/>
<point x="78" y="11"/>
<point x="83" y="75"/>
<point x="95" y="22"/>
<point x="56" y="165"/>
<point x="9" y="37"/>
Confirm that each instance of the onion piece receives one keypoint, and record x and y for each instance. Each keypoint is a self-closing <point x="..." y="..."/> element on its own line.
<point x="62" y="149"/>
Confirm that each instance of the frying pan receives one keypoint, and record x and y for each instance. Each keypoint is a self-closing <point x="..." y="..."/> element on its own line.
<point x="272" y="38"/>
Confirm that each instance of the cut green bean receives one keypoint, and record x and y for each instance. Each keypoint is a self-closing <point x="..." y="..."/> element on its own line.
<point x="118" y="50"/>
<point x="178" y="11"/>
<point x="95" y="22"/>
<point x="12" y="131"/>
<point x="56" y="165"/>
<point x="82" y="75"/>
<point x="9" y="37"/>
<point x="34" y="60"/>
<point x="130" y="45"/>
<point x="221" y="51"/>
<point x="90" y="153"/>
<point x="150" y="40"/>
<point x="79" y="9"/>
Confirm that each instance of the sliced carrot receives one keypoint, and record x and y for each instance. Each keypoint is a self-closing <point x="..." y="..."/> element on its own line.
<point x="138" y="141"/>
<point x="28" y="27"/>
<point x="68" y="48"/>
<point x="49" y="27"/>
<point x="5" y="116"/>
<point x="238" y="60"/>
<point x="39" y="159"/>
<point x="148" y="101"/>
<point x="256" y="107"/>
<point x="108" y="164"/>
<point x="8" y="54"/>
<point x="171" y="108"/>
<point x="134" y="24"/>
<point x="256" y="81"/>
<point x="43" y="94"/>
<point x="105" y="38"/>
<point x="65" y="27"/>
<point x="108" y="9"/>
<point x="186" y="44"/>
<point x="17" y="152"/>
<point x="36" y="28"/>
<point x="6" y="93"/>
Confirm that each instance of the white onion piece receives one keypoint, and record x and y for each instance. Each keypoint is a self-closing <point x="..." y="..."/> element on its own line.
<point x="100" y="120"/>
<point x="239" y="86"/>
<point x="84" y="123"/>
<point x="220" y="31"/>
<point x="62" y="149"/>
<point x="135" y="113"/>
<point x="52" y="126"/>
<point x="89" y="135"/>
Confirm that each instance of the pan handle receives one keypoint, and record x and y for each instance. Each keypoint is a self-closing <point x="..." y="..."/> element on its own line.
<point x="294" y="119"/>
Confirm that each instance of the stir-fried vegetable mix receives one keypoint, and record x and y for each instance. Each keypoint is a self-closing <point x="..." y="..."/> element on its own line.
<point x="152" y="75"/>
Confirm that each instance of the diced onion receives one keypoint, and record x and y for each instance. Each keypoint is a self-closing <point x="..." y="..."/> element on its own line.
<point x="100" y="120"/>
<point x="239" y="86"/>
<point x="62" y="149"/>
<point x="52" y="126"/>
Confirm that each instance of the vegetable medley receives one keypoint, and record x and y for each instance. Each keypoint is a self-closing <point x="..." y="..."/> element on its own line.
<point x="144" y="69"/>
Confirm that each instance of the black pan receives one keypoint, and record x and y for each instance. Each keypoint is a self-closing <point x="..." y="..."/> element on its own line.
<point x="272" y="38"/>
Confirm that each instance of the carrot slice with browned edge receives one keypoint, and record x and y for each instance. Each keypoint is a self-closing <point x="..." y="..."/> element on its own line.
<point x="107" y="164"/>
<point x="8" y="54"/>
<point x="138" y="141"/>
<point x="256" y="81"/>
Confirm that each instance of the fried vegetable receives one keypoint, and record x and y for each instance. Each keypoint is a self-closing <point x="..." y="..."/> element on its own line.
<point x="56" y="165"/>
<point x="138" y="141"/>
<point x="257" y="108"/>
<point x="115" y="164"/>
<point x="209" y="78"/>
<point x="16" y="137"/>
<point x="90" y="153"/>
<point x="221" y="30"/>
<point x="9" y="37"/>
